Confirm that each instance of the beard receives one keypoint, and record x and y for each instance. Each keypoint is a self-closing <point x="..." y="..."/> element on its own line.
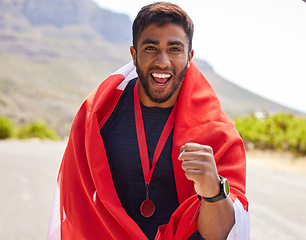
<point x="157" y="96"/>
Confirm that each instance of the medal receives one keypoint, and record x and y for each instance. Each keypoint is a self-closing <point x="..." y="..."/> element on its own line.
<point x="147" y="208"/>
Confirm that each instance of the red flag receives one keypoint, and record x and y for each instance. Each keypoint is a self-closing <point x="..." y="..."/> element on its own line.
<point x="88" y="204"/>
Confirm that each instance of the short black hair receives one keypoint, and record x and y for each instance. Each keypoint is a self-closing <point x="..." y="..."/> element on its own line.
<point x="161" y="13"/>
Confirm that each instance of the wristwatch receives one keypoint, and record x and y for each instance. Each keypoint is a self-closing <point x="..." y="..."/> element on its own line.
<point x="224" y="192"/>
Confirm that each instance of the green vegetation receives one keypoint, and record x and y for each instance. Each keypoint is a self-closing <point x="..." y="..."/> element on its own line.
<point x="282" y="131"/>
<point x="37" y="129"/>
<point x="6" y="128"/>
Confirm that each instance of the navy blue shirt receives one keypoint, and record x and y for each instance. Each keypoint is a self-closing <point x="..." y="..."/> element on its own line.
<point x="120" y="139"/>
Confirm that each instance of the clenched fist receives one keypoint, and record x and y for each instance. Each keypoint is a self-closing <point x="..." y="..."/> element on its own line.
<point x="199" y="165"/>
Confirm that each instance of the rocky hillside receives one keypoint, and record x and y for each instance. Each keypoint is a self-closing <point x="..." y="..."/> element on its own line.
<point x="53" y="53"/>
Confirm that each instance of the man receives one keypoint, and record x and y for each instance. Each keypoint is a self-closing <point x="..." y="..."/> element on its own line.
<point x="149" y="154"/>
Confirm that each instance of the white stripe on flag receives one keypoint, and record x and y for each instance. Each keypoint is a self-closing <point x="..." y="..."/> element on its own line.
<point x="55" y="217"/>
<point x="129" y="72"/>
<point x="241" y="229"/>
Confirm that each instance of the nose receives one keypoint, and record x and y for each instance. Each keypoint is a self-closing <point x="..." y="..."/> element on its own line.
<point x="162" y="60"/>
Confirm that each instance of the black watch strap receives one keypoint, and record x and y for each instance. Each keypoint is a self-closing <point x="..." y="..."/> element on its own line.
<point x="222" y="195"/>
<point x="217" y="198"/>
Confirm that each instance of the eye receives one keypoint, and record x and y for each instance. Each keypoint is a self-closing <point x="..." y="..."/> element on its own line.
<point x="150" y="48"/>
<point x="176" y="49"/>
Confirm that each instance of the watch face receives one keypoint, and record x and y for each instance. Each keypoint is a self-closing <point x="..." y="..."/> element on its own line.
<point x="226" y="187"/>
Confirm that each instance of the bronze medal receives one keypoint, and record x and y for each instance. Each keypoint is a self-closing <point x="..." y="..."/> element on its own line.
<point x="147" y="208"/>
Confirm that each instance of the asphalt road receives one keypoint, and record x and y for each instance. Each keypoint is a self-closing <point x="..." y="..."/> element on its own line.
<point x="28" y="171"/>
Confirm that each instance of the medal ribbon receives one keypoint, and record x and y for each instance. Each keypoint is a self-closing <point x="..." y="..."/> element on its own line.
<point x="141" y="137"/>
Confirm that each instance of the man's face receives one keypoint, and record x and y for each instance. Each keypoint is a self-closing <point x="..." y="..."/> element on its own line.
<point x="161" y="61"/>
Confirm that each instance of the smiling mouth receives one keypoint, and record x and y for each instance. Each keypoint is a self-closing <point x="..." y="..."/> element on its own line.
<point x="161" y="79"/>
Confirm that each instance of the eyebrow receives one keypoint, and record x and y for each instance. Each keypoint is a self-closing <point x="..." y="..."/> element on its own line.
<point x="149" y="41"/>
<point x="155" y="42"/>
<point x="180" y="43"/>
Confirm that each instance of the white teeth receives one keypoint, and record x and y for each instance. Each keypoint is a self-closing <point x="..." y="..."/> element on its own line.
<point x="157" y="75"/>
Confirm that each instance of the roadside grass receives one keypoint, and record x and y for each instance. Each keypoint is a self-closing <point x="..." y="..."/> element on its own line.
<point x="37" y="129"/>
<point x="282" y="132"/>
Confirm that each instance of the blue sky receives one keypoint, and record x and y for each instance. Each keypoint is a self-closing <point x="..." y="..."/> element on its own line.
<point x="259" y="45"/>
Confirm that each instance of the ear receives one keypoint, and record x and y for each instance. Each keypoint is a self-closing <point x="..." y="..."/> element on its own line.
<point x="190" y="56"/>
<point x="133" y="54"/>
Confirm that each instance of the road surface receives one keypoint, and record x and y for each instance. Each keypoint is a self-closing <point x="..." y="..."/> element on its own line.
<point x="28" y="171"/>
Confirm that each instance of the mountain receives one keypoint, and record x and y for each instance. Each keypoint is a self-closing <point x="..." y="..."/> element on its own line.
<point x="53" y="53"/>
<point x="237" y="101"/>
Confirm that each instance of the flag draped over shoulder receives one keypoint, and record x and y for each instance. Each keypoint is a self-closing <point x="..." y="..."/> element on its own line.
<point x="89" y="207"/>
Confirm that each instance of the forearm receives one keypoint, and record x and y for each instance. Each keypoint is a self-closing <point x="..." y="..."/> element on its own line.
<point x="216" y="220"/>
